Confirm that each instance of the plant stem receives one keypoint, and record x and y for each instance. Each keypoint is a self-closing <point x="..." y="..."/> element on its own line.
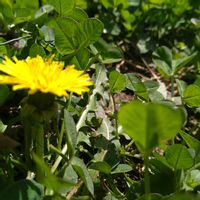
<point x="83" y="116"/>
<point x="61" y="135"/>
<point x="172" y="87"/>
<point x="39" y="147"/>
<point x="59" y="158"/>
<point x="147" y="177"/>
<point x="54" y="149"/>
<point x="28" y="142"/>
<point x="115" y="115"/>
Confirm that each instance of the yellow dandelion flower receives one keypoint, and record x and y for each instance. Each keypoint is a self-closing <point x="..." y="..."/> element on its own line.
<point x="47" y="76"/>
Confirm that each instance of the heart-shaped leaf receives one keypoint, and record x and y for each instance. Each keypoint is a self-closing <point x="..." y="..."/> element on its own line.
<point x="150" y="124"/>
<point x="117" y="81"/>
<point x="179" y="157"/>
<point x="63" y="7"/>
<point x="191" y="95"/>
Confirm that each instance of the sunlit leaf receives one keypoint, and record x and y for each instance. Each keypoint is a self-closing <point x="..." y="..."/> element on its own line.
<point x="63" y="7"/>
<point x="117" y="81"/>
<point x="193" y="143"/>
<point x="108" y="53"/>
<point x="191" y="95"/>
<point x="36" y="50"/>
<point x="135" y="84"/>
<point x="193" y="179"/>
<point x="150" y="124"/>
<point x="179" y="157"/>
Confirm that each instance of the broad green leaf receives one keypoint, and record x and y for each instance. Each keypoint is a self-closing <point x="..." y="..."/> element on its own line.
<point x="71" y="133"/>
<point x="78" y="14"/>
<point x="183" y="6"/>
<point x="3" y="50"/>
<point x="4" y="94"/>
<point x="157" y="1"/>
<point x="160" y="170"/>
<point x="64" y="30"/>
<point x="162" y="57"/>
<point x="70" y="175"/>
<point x="179" y="63"/>
<point x="81" y="59"/>
<point x="151" y="85"/>
<point x="49" y="179"/>
<point x="63" y="7"/>
<point x="36" y="50"/>
<point x="71" y="36"/>
<point x="133" y="83"/>
<point x="89" y="32"/>
<point x="197" y="81"/>
<point x="2" y="127"/>
<point x="150" y="124"/>
<point x="107" y="3"/>
<point x="112" y="155"/>
<point x="160" y="161"/>
<point x="108" y="53"/>
<point x="26" y="4"/>
<point x="181" y="86"/>
<point x="101" y="166"/>
<point x="193" y="143"/>
<point x="153" y="88"/>
<point x="23" y="190"/>
<point x="121" y="168"/>
<point x="23" y="15"/>
<point x="179" y="157"/>
<point x="6" y="9"/>
<point x="82" y="171"/>
<point x="25" y="10"/>
<point x="3" y="27"/>
<point x="193" y="178"/>
<point x="111" y="3"/>
<point x="117" y="81"/>
<point x="191" y="95"/>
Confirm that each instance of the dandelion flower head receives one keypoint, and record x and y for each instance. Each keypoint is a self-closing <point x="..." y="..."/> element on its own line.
<point x="44" y="75"/>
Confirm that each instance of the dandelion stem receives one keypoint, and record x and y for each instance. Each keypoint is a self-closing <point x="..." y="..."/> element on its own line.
<point x="39" y="148"/>
<point x="28" y="142"/>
